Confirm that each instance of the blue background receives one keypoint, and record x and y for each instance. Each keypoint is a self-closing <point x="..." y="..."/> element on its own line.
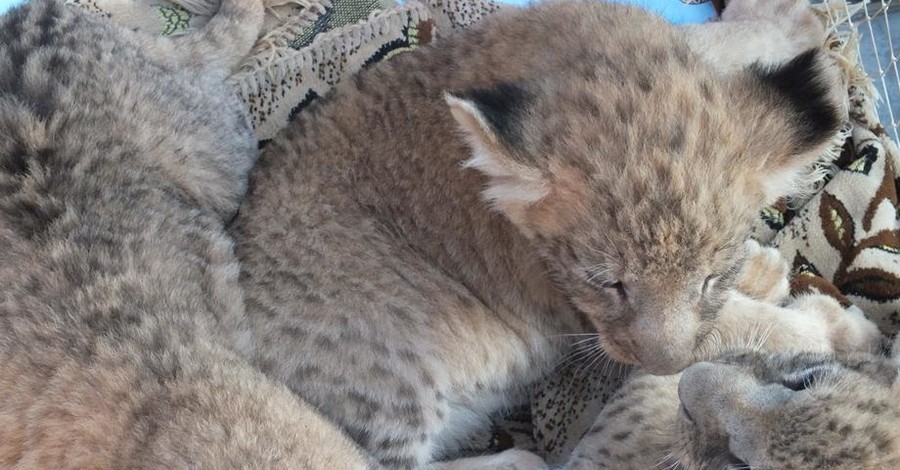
<point x="7" y="4"/>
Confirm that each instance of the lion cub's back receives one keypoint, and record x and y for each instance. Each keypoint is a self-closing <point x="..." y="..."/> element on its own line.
<point x="401" y="100"/>
<point x="94" y="86"/>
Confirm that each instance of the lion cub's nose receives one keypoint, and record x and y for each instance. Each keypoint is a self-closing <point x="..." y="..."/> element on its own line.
<point x="660" y="355"/>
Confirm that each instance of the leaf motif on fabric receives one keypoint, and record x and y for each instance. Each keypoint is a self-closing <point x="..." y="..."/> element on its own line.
<point x="175" y="19"/>
<point x="848" y="155"/>
<point x="887" y="190"/>
<point x="885" y="240"/>
<point x="890" y="249"/>
<point x="773" y="217"/>
<point x="837" y="223"/>
<point x="863" y="164"/>
<point x="871" y="283"/>
<point x="803" y="267"/>
<point x="807" y="279"/>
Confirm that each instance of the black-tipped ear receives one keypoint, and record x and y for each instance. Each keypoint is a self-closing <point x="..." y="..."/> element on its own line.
<point x="491" y="120"/>
<point x="807" y="87"/>
<point x="500" y="109"/>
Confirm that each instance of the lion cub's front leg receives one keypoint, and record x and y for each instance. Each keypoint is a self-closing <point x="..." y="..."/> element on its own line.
<point x="752" y="317"/>
<point x="763" y="32"/>
<point x="764" y="275"/>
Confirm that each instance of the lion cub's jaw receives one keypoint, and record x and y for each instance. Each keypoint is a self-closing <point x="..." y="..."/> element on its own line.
<point x="802" y="412"/>
<point x="637" y="192"/>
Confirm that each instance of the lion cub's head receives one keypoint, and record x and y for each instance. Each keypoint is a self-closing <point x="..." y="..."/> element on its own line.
<point x="803" y="411"/>
<point x="637" y="181"/>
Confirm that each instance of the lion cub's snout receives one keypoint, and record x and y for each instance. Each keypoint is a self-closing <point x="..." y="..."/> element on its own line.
<point x="662" y="327"/>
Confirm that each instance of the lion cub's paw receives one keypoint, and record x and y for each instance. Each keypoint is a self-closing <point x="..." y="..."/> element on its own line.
<point x="762" y="10"/>
<point x="794" y="18"/>
<point x="511" y="459"/>
<point x="764" y="275"/>
<point x="843" y="329"/>
<point x="515" y="459"/>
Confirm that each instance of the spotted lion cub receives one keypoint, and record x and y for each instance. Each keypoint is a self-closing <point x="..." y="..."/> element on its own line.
<point x="750" y="410"/>
<point x="121" y="158"/>
<point x="415" y="247"/>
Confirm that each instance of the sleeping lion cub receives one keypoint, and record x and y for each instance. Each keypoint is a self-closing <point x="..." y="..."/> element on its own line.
<point x="121" y="158"/>
<point x="750" y="410"/>
<point x="415" y="247"/>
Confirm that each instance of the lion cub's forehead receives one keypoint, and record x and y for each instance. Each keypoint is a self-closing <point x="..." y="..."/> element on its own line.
<point x="659" y="164"/>
<point x="857" y="368"/>
<point x="673" y="105"/>
<point x="666" y="232"/>
<point x="662" y="256"/>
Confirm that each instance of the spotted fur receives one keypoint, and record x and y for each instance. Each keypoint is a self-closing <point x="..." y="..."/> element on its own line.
<point x="414" y="246"/>
<point x="777" y="406"/>
<point x="750" y="410"/>
<point x="121" y="318"/>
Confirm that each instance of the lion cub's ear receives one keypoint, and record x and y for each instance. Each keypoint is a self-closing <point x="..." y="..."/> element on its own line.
<point x="796" y="110"/>
<point x="493" y="122"/>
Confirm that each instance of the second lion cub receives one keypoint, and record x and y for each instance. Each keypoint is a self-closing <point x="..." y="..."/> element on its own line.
<point x="414" y="246"/>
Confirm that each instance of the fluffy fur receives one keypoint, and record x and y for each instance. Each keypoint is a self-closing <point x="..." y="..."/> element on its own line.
<point x="750" y="410"/>
<point x="414" y="246"/>
<point x="790" y="403"/>
<point x="769" y="32"/>
<point x="120" y="311"/>
<point x="780" y="405"/>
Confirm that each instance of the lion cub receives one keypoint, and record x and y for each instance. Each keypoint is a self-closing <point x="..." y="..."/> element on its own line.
<point x="121" y="158"/>
<point x="414" y="247"/>
<point x="750" y="410"/>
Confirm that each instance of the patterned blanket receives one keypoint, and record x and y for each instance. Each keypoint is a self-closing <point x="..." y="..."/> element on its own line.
<point x="843" y="237"/>
<point x="308" y="45"/>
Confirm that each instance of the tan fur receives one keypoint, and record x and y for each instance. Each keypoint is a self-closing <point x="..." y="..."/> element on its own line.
<point x="415" y="245"/>
<point x="764" y="275"/>
<point x="847" y="419"/>
<point x="740" y="413"/>
<point x="758" y="313"/>
<point x="739" y="410"/>
<point x="766" y="31"/>
<point x="121" y="317"/>
<point x="642" y="427"/>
